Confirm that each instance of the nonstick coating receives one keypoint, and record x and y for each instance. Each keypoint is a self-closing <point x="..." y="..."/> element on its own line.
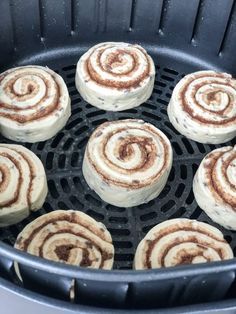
<point x="62" y="157"/>
<point x="182" y="36"/>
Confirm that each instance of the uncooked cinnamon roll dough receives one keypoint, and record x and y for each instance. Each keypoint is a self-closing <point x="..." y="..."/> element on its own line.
<point x="214" y="186"/>
<point x="35" y="103"/>
<point x="127" y="162"/>
<point x="115" y="76"/>
<point x="23" y="184"/>
<point x="70" y="237"/>
<point x="203" y="107"/>
<point x="181" y="241"/>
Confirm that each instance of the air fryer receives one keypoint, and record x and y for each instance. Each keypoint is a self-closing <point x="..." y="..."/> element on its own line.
<point x="182" y="36"/>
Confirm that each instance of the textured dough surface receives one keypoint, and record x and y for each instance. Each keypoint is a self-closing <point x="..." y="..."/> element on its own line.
<point x="203" y="107"/>
<point x="70" y="237"/>
<point x="35" y="103"/>
<point x="127" y="162"/>
<point x="23" y="183"/>
<point x="181" y="241"/>
<point x="214" y="186"/>
<point x="115" y="76"/>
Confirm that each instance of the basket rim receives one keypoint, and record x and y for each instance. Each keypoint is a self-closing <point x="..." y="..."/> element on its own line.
<point x="119" y="276"/>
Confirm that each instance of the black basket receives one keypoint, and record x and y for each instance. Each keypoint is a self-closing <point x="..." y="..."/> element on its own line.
<point x="182" y="36"/>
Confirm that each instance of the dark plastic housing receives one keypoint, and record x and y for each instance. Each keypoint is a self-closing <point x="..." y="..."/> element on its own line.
<point x="182" y="36"/>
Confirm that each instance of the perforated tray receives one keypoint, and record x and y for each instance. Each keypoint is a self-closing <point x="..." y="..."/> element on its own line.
<point x="62" y="157"/>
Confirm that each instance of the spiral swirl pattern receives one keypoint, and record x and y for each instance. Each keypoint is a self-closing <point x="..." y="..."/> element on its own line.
<point x="115" y="76"/>
<point x="70" y="237"/>
<point x="203" y="107"/>
<point x="181" y="241"/>
<point x="214" y="186"/>
<point x="34" y="103"/>
<point x="23" y="185"/>
<point x="127" y="162"/>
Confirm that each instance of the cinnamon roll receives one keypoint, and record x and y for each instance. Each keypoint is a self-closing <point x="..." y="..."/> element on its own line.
<point x="115" y="76"/>
<point x="127" y="162"/>
<point x="23" y="184"/>
<point x="34" y="103"/>
<point x="181" y="241"/>
<point x="203" y="107"/>
<point x="214" y="186"/>
<point x="70" y="237"/>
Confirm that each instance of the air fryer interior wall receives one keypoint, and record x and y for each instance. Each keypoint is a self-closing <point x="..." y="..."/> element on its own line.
<point x="182" y="36"/>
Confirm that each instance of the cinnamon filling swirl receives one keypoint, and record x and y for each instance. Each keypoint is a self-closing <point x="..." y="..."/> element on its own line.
<point x="23" y="185"/>
<point x="214" y="94"/>
<point x="68" y="236"/>
<point x="128" y="155"/>
<point x="117" y="63"/>
<point x="31" y="89"/>
<point x="203" y="107"/>
<point x="115" y="76"/>
<point x="214" y="186"/>
<point x="34" y="103"/>
<point x="181" y="241"/>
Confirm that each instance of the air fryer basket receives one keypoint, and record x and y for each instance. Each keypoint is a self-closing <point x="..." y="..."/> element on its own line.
<point x="182" y="36"/>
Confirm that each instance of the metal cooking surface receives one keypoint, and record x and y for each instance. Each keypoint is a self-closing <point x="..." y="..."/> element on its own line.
<point x="62" y="157"/>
